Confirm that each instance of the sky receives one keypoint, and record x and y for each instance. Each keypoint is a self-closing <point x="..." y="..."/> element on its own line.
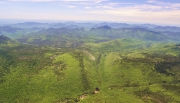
<point x="137" y="11"/>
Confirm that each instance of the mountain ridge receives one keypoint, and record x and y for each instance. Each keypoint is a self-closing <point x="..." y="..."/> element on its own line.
<point x="4" y="39"/>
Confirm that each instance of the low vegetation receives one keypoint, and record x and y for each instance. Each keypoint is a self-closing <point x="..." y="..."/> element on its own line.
<point x="89" y="70"/>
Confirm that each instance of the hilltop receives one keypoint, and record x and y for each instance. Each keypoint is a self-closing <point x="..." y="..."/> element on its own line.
<point x="5" y="39"/>
<point x="89" y="63"/>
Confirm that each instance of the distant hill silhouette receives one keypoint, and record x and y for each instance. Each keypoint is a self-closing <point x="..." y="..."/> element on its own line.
<point x="5" y="40"/>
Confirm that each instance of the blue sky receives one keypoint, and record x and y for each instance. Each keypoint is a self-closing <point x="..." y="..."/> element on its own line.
<point x="138" y="11"/>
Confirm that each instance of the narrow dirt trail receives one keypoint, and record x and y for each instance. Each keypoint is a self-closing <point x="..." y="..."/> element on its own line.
<point x="91" y="56"/>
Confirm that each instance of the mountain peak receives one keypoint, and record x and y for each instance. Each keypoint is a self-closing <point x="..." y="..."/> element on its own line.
<point x="4" y="39"/>
<point x="105" y="27"/>
<point x="102" y="28"/>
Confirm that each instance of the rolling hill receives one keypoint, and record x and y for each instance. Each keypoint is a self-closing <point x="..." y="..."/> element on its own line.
<point x="6" y="40"/>
<point x="70" y="36"/>
<point x="66" y="63"/>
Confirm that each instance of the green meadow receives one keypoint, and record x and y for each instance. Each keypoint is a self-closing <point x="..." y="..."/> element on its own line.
<point x="124" y="71"/>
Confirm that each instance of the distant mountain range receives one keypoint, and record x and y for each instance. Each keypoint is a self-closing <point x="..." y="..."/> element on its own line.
<point x="99" y="62"/>
<point x="103" y="33"/>
<point x="70" y="33"/>
<point x="93" y="25"/>
<point x="167" y="28"/>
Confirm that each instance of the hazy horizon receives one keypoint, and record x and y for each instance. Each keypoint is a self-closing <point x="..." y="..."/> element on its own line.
<point x="161" y="12"/>
<point x="16" y="21"/>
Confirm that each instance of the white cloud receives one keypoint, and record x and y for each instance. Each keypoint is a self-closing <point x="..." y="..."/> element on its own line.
<point x="151" y="1"/>
<point x="105" y="7"/>
<point x="71" y="6"/>
<point x="150" y="11"/>
<point x="87" y="7"/>
<point x="165" y="4"/>
<point x="99" y="1"/>
<point x="132" y="12"/>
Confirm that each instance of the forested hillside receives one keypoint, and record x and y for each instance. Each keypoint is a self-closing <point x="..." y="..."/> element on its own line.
<point x="89" y="63"/>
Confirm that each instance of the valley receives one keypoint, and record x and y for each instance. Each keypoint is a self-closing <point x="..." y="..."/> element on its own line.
<point x="53" y="63"/>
